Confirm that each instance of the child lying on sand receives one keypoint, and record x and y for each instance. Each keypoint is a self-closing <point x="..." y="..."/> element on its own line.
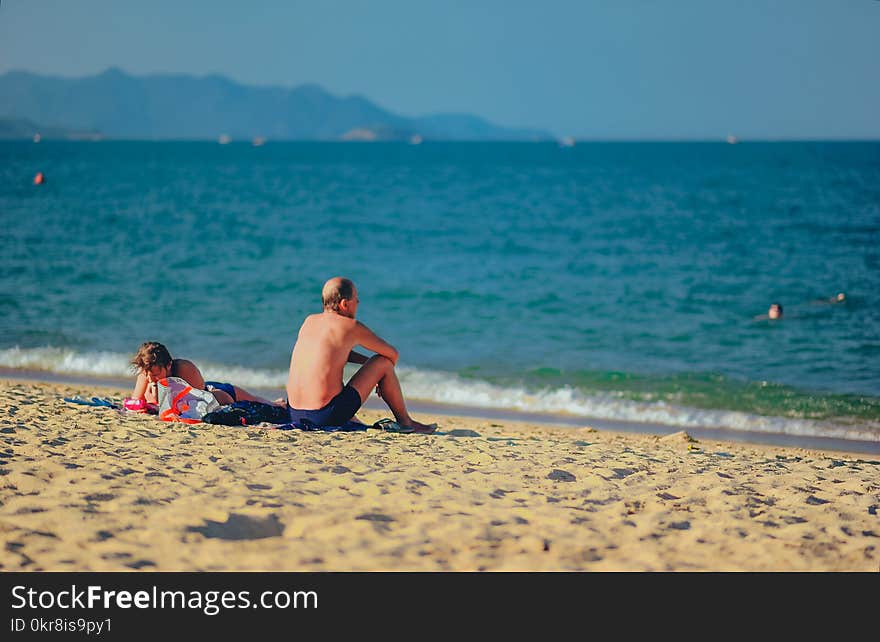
<point x="153" y="362"/>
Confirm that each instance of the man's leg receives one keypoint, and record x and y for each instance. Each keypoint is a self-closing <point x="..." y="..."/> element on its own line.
<point x="379" y="371"/>
<point x="243" y="395"/>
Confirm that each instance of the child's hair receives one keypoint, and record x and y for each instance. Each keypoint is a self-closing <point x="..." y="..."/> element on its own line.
<point x="151" y="353"/>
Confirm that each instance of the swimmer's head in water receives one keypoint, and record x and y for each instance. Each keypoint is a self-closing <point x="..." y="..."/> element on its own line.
<point x="775" y="311"/>
<point x="840" y="296"/>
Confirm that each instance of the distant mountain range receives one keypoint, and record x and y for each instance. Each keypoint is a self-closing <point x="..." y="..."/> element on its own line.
<point x="172" y="106"/>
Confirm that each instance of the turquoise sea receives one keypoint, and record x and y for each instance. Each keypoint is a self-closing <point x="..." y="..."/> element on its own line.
<point x="605" y="283"/>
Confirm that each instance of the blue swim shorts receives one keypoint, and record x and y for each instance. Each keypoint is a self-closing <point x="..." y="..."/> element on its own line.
<point x="336" y="413"/>
<point x="225" y="387"/>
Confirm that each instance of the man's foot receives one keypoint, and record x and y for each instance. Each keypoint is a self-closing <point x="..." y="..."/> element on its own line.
<point x="423" y="429"/>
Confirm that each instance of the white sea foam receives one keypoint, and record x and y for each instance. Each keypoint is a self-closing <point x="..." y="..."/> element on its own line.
<point x="446" y="388"/>
<point x="452" y="389"/>
<point x="65" y="361"/>
<point x="116" y="365"/>
<point x="244" y="377"/>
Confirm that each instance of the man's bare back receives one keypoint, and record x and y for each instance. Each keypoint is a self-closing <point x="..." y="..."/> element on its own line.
<point x="324" y="345"/>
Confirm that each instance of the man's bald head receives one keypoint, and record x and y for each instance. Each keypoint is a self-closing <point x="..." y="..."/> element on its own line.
<point x="335" y="291"/>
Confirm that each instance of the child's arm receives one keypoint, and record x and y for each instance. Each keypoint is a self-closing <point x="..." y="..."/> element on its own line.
<point x="143" y="396"/>
<point x="140" y="387"/>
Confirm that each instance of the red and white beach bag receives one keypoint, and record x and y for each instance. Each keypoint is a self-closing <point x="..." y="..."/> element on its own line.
<point x="179" y="401"/>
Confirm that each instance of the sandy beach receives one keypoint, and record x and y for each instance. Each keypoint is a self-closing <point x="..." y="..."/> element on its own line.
<point x="90" y="489"/>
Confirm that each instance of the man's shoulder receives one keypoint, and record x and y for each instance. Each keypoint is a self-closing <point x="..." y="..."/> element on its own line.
<point x="334" y="322"/>
<point x="313" y="320"/>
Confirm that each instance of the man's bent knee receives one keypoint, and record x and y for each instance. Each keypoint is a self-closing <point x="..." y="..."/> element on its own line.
<point x="371" y="374"/>
<point x="381" y="362"/>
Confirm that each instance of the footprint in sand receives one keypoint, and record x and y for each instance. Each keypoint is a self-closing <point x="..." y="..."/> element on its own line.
<point x="238" y="527"/>
<point x="380" y="522"/>
<point x="461" y="432"/>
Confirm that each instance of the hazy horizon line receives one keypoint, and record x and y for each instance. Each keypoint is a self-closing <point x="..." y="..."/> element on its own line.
<point x="546" y="141"/>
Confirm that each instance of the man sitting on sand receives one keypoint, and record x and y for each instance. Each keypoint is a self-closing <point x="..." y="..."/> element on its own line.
<point x="315" y="392"/>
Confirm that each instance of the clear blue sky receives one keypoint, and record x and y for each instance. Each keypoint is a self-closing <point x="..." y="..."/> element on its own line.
<point x="612" y="69"/>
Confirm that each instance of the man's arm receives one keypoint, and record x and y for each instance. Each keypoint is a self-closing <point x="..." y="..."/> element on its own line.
<point x="371" y="341"/>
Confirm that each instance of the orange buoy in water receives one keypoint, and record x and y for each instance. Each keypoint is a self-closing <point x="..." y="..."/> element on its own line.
<point x="38" y="179"/>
